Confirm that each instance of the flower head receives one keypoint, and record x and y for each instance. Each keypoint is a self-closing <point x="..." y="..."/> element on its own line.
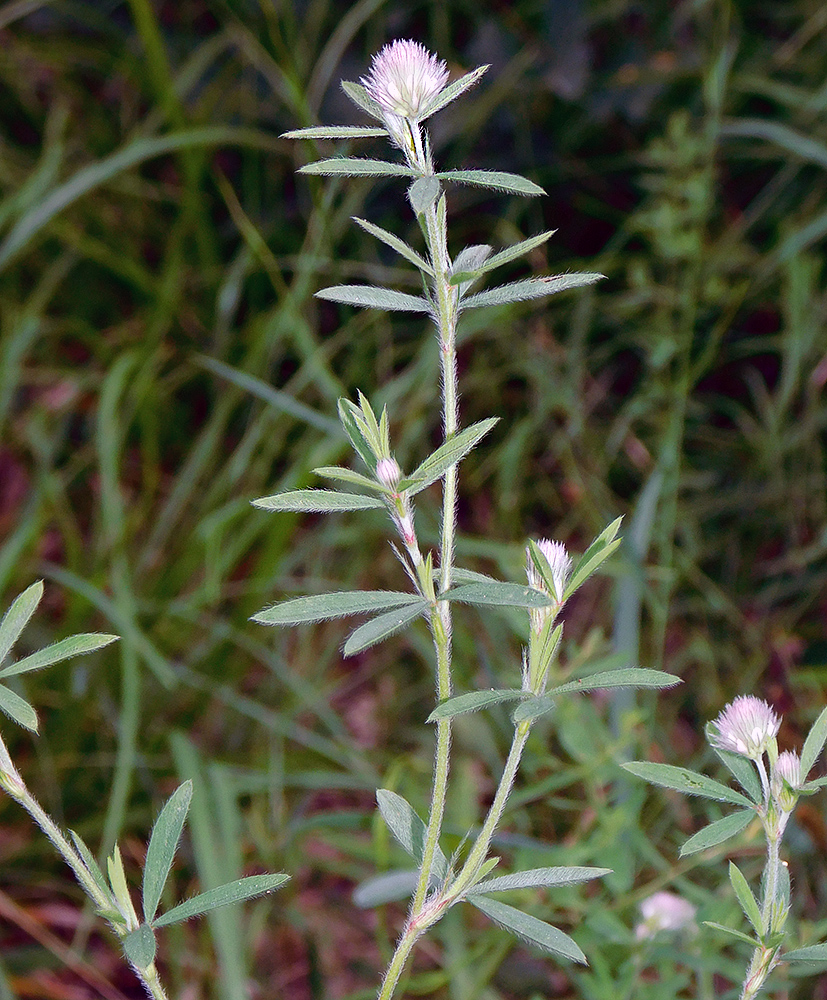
<point x="786" y="780"/>
<point x="560" y="563"/>
<point x="388" y="472"/>
<point x="664" y="911"/>
<point x="404" y="78"/>
<point x="745" y="727"/>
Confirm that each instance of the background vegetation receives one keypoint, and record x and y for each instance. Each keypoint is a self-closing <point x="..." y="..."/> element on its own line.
<point x="163" y="362"/>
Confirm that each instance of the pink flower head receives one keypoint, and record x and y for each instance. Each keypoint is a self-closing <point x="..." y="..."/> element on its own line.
<point x="388" y="472"/>
<point x="560" y="563"/>
<point x="786" y="780"/>
<point x="745" y="727"/>
<point x="664" y="911"/>
<point x="404" y="79"/>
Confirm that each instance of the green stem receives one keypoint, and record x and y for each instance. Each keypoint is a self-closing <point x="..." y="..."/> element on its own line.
<point x="398" y="962"/>
<point x="446" y="315"/>
<point x="479" y="852"/>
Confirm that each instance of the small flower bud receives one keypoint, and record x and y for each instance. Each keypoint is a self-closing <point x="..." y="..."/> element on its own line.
<point x="745" y="727"/>
<point x="786" y="780"/>
<point x="560" y="563"/>
<point x="388" y="472"/>
<point x="665" y="911"/>
<point x="404" y="78"/>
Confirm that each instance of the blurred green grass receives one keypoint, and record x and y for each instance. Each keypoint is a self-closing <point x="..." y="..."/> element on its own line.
<point x="163" y="362"/>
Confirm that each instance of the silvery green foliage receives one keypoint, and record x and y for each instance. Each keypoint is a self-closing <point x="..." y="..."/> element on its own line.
<point x="405" y="86"/>
<point x="744" y="739"/>
<point x="109" y="890"/>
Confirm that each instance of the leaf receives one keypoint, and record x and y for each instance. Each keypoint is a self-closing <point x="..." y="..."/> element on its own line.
<point x="497" y="180"/>
<point x="321" y="607"/>
<point x="374" y="297"/>
<point x="683" y="780"/>
<point x="533" y="708"/>
<point x="745" y="897"/>
<point x="344" y="475"/>
<point x="530" y="288"/>
<point x="139" y="946"/>
<point x="503" y="257"/>
<point x="382" y="627"/>
<point x="539" y="877"/>
<point x="334" y="132"/>
<point x="90" y="862"/>
<point x="348" y="416"/>
<point x="17" y="709"/>
<point x="446" y="456"/>
<point x="718" y="832"/>
<point x="812" y="953"/>
<point x="530" y="929"/>
<point x="317" y="501"/>
<point x="814" y="743"/>
<point x="355" y="166"/>
<point x="360" y="97"/>
<point x="385" y="888"/>
<point x="75" y="645"/>
<point x="453" y="91"/>
<point x="473" y="701"/>
<point x="17" y="617"/>
<point x="233" y="892"/>
<point x="738" y="935"/>
<point x="408" y="829"/>
<point x="741" y="768"/>
<point x="400" y="246"/>
<point x="599" y="550"/>
<point x="163" y="843"/>
<point x="498" y="594"/>
<point x="469" y="260"/>
<point x="423" y="193"/>
<point x="636" y="677"/>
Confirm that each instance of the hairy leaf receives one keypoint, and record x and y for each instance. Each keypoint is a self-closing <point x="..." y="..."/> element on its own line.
<point x="496" y="180"/>
<point x="355" y="166"/>
<point x="17" y="617"/>
<point x="75" y="645"/>
<point x="530" y="288"/>
<point x="718" y="832"/>
<point x="473" y="701"/>
<point x="539" y="877"/>
<point x="400" y="246"/>
<point x="683" y="780"/>
<point x="334" y="132"/>
<point x="530" y="929"/>
<point x="374" y="297"/>
<point x="383" y="626"/>
<point x="321" y="607"/>
<point x="447" y="455"/>
<point x="233" y="892"/>
<point x="409" y="830"/>
<point x="163" y="843"/>
<point x="317" y="501"/>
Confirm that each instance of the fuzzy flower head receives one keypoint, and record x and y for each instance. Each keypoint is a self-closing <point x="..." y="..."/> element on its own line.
<point x="388" y="472"/>
<point x="560" y="563"/>
<point x="786" y="780"/>
<point x="745" y="727"/>
<point x="404" y="79"/>
<point x="665" y="911"/>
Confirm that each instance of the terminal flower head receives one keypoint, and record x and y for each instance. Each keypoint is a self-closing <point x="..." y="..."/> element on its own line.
<point x="745" y="727"/>
<point x="388" y="472"/>
<point x="560" y="563"/>
<point x="405" y="79"/>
